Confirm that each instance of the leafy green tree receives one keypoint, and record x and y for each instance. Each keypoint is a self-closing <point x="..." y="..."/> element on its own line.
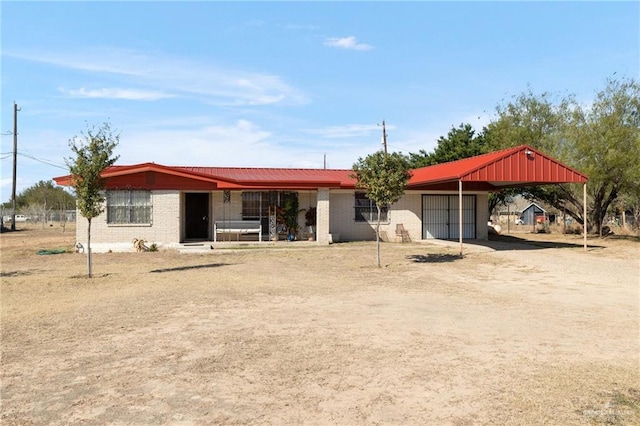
<point x="93" y="153"/>
<point x="530" y="119"/>
<point x="601" y="140"/>
<point x="44" y="197"/>
<point x="384" y="177"/>
<point x="537" y="121"/>
<point x="56" y="197"/>
<point x="461" y="142"/>
<point x="605" y="144"/>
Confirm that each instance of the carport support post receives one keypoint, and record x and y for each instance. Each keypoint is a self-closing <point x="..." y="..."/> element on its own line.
<point x="584" y="213"/>
<point x="460" y="214"/>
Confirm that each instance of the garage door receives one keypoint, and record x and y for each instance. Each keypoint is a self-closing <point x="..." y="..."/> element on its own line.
<point x="440" y="218"/>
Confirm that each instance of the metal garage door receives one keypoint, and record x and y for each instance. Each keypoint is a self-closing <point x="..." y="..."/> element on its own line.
<point x="440" y="218"/>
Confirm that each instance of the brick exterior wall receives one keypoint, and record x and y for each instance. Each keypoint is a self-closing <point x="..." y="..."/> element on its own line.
<point x="323" y="216"/>
<point x="407" y="211"/>
<point x="164" y="229"/>
<point x="335" y="219"/>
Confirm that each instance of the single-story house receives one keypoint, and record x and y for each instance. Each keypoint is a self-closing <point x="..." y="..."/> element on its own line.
<point x="173" y="205"/>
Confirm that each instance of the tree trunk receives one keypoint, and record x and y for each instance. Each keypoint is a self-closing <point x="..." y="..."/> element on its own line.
<point x="89" y="274"/>
<point x="601" y="203"/>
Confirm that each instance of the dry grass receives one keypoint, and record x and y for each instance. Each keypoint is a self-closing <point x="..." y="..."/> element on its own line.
<point x="531" y="331"/>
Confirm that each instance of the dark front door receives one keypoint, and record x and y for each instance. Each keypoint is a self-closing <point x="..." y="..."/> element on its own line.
<point x="197" y="215"/>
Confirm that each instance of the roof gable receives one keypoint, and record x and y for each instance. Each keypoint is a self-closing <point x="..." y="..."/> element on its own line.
<point x="534" y="206"/>
<point x="517" y="166"/>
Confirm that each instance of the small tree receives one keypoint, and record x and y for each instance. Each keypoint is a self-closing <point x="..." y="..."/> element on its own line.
<point x="384" y="177"/>
<point x="93" y="153"/>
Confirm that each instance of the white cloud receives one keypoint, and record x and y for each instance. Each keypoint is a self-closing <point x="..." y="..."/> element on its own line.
<point x="112" y="61"/>
<point x="346" y="43"/>
<point x="244" y="143"/>
<point x="115" y="93"/>
<point x="163" y="74"/>
<point x="239" y="144"/>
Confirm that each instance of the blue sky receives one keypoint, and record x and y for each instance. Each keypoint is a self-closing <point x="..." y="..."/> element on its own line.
<point x="282" y="84"/>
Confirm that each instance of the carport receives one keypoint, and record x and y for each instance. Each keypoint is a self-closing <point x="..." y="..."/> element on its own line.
<point x="509" y="168"/>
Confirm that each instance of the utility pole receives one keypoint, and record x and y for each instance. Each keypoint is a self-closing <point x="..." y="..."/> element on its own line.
<point x="384" y="137"/>
<point x="15" y="164"/>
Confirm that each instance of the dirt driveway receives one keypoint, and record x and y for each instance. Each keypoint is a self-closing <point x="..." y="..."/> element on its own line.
<point x="520" y="333"/>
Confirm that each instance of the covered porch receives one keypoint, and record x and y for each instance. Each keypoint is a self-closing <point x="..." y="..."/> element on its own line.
<point x="509" y="168"/>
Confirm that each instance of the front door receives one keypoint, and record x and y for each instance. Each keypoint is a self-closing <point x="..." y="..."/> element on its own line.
<point x="196" y="215"/>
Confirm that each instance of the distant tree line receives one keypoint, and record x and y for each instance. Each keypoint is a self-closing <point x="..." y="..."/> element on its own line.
<point x="40" y="200"/>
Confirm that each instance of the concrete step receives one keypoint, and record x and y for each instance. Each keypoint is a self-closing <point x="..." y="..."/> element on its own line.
<point x="187" y="248"/>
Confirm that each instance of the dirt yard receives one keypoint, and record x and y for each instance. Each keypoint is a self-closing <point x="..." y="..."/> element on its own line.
<point x="517" y="332"/>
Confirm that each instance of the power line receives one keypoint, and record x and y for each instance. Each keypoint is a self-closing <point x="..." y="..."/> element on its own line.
<point x="40" y="160"/>
<point x="5" y="155"/>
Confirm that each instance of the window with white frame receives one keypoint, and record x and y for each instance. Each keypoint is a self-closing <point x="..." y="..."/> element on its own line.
<point x="367" y="211"/>
<point x="129" y="207"/>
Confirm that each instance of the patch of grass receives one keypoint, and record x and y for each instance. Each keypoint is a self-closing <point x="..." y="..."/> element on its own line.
<point x="621" y="407"/>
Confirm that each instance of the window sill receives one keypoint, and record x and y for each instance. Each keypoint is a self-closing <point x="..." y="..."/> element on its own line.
<point x="129" y="225"/>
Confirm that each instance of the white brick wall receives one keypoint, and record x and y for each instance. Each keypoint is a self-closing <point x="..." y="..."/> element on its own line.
<point x="164" y="229"/>
<point x="323" y="216"/>
<point x="407" y="211"/>
<point x="335" y="215"/>
<point x="226" y="211"/>
<point x="342" y="218"/>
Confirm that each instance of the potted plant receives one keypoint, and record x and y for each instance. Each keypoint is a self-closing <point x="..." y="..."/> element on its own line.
<point x="289" y="216"/>
<point x="310" y="222"/>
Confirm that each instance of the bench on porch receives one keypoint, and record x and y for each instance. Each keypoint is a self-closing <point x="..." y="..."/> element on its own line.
<point x="237" y="227"/>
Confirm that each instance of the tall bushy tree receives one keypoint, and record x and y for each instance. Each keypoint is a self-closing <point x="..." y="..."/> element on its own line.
<point x="384" y="177"/>
<point x="44" y="192"/>
<point x="605" y="142"/>
<point x="93" y="152"/>
<point x="461" y="142"/>
<point x="601" y="140"/>
<point x="531" y="119"/>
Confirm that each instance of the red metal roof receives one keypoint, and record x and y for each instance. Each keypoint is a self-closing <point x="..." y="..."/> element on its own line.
<point x="278" y="176"/>
<point x="226" y="177"/>
<point x="518" y="166"/>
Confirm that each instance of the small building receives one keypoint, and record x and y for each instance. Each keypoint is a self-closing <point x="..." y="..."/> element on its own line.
<point x="533" y="214"/>
<point x="173" y="205"/>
